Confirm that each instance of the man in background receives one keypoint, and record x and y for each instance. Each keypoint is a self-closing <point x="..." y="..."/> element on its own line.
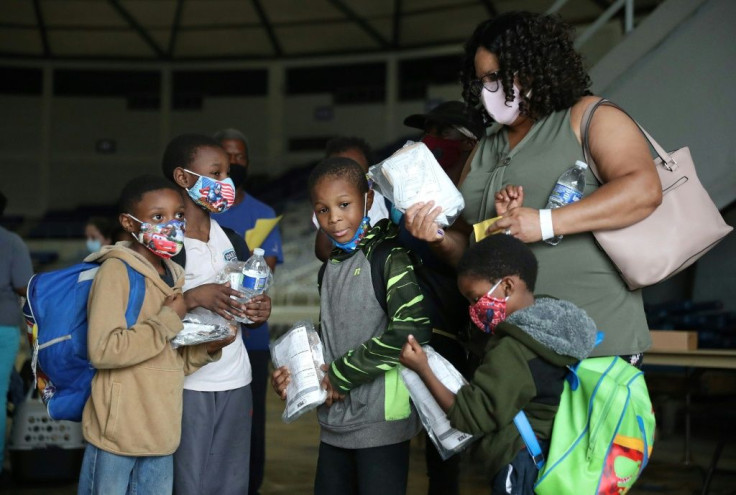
<point x="450" y="130"/>
<point x="242" y="217"/>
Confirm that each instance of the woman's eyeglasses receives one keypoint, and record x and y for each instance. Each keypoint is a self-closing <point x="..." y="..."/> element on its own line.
<point x="489" y="82"/>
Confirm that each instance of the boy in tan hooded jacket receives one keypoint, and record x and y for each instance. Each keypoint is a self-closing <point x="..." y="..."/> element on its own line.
<point x="132" y="419"/>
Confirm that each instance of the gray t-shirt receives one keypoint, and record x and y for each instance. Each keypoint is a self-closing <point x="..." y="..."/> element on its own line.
<point x="15" y="272"/>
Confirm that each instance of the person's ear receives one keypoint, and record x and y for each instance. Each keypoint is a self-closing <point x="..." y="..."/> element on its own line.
<point x="368" y="200"/>
<point x="181" y="178"/>
<point x="509" y="285"/>
<point x="129" y="225"/>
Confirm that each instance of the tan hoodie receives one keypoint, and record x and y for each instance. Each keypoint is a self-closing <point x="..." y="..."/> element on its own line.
<point x="136" y="401"/>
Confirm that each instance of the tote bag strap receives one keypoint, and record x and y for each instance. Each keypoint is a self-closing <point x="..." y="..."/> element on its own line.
<point x="667" y="161"/>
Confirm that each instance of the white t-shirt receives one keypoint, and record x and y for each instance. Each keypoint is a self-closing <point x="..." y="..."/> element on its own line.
<point x="377" y="212"/>
<point x="204" y="262"/>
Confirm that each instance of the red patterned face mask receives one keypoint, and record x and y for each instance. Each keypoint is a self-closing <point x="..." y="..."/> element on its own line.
<point x="446" y="151"/>
<point x="488" y="311"/>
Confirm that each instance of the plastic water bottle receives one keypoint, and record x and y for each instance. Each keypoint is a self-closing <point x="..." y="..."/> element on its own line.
<point x="568" y="189"/>
<point x="251" y="278"/>
<point x="256" y="276"/>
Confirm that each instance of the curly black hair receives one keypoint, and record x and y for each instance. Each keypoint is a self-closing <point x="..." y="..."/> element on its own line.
<point x="499" y="256"/>
<point x="181" y="150"/>
<point x="538" y="50"/>
<point x="338" y="167"/>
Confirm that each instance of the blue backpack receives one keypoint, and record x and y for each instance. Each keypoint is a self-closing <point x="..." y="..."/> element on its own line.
<point x="56" y="313"/>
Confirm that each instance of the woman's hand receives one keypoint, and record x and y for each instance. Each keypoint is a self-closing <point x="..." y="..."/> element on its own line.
<point x="216" y="298"/>
<point x="522" y="223"/>
<point x="413" y="357"/>
<point x="508" y="198"/>
<point x="332" y="394"/>
<point x="258" y="309"/>
<point x="420" y="220"/>
<point x="279" y="380"/>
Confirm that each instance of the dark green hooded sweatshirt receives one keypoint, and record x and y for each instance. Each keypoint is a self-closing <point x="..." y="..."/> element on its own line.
<point x="524" y="367"/>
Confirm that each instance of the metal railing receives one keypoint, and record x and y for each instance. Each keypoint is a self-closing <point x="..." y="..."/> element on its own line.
<point x="627" y="5"/>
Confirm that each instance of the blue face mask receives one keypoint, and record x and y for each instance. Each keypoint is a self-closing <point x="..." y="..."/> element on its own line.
<point x="360" y="232"/>
<point x="94" y="245"/>
<point x="395" y="215"/>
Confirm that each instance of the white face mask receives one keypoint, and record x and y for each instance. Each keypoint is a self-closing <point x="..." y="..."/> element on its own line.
<point x="501" y="111"/>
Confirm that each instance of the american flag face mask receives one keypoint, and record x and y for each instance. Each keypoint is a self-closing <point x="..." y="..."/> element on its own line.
<point x="213" y="195"/>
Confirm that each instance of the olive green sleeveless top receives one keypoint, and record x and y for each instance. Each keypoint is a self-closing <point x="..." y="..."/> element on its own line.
<point x="576" y="269"/>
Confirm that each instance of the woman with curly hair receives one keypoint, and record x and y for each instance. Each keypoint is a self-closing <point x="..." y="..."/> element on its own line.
<point x="523" y="69"/>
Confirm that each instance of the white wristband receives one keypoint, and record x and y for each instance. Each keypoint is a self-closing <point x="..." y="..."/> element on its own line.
<point x="545" y="222"/>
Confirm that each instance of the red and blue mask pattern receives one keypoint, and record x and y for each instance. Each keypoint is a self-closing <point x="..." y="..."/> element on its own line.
<point x="488" y="311"/>
<point x="212" y="195"/>
<point x="163" y="239"/>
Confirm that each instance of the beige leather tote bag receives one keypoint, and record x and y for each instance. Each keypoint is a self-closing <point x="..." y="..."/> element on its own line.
<point x="679" y="231"/>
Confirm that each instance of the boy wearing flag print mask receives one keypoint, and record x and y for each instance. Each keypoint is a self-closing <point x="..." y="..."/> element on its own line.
<point x="214" y="452"/>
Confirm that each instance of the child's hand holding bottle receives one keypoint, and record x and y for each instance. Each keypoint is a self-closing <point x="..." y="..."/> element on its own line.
<point x="258" y="309"/>
<point x="217" y="298"/>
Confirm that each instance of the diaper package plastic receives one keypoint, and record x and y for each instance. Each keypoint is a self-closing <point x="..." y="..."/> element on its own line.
<point x="411" y="175"/>
<point x="300" y="350"/>
<point x="200" y="326"/>
<point x="447" y="439"/>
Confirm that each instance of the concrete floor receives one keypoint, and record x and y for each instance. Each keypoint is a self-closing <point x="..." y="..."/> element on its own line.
<point x="292" y="456"/>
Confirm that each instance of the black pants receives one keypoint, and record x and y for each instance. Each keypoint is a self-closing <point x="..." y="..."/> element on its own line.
<point x="259" y="360"/>
<point x="444" y="476"/>
<point x="373" y="471"/>
<point x="518" y="477"/>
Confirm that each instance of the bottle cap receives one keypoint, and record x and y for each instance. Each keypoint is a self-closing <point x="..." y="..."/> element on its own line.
<point x="258" y="251"/>
<point x="581" y="164"/>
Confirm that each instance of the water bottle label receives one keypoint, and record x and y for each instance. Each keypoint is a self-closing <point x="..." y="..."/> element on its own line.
<point x="563" y="194"/>
<point x="257" y="284"/>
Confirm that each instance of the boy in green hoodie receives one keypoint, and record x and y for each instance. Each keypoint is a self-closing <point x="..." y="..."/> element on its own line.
<point x="532" y="342"/>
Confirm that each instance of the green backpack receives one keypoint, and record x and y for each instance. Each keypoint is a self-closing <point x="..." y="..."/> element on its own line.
<point x="603" y="431"/>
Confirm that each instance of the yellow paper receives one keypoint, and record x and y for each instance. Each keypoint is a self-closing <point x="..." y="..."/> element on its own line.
<point x="254" y="237"/>
<point x="481" y="228"/>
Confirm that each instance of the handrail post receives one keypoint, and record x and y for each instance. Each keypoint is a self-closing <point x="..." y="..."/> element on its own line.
<point x="556" y="6"/>
<point x="604" y="18"/>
